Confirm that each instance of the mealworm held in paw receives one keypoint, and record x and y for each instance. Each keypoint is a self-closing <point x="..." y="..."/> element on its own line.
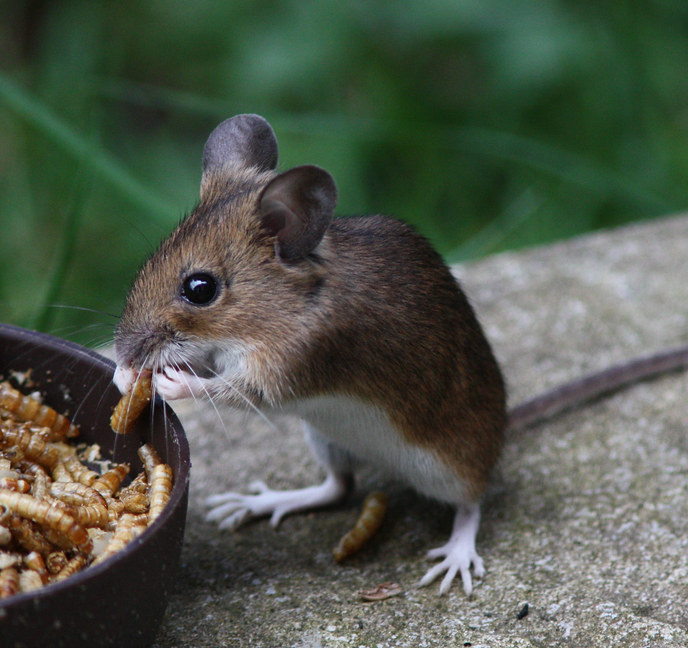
<point x="374" y="508"/>
<point x="131" y="405"/>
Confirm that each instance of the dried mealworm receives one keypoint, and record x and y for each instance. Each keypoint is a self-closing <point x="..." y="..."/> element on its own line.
<point x="29" y="409"/>
<point x="131" y="405"/>
<point x="89" y="506"/>
<point x="40" y="481"/>
<point x="150" y="459"/>
<point x="9" y="582"/>
<point x="27" y="535"/>
<point x="61" y="474"/>
<point x="76" y="494"/>
<point x="369" y="521"/>
<point x="32" y="444"/>
<point x="115" y="508"/>
<point x="92" y="515"/>
<point x="47" y="514"/>
<point x="111" y="480"/>
<point x="29" y="580"/>
<point x="55" y="512"/>
<point x="74" y="565"/>
<point x="134" y="502"/>
<point x="9" y="559"/>
<point x="35" y="562"/>
<point x="79" y="472"/>
<point x="14" y="484"/>
<point x="138" y="484"/>
<point x="160" y="491"/>
<point x="55" y="561"/>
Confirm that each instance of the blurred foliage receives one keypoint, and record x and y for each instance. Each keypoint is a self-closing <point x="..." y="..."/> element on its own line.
<point x="490" y="124"/>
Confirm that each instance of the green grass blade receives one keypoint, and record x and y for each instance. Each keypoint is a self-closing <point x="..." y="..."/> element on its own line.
<point x="74" y="144"/>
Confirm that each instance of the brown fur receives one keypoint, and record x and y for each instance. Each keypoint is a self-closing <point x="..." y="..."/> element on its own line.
<point x="373" y="313"/>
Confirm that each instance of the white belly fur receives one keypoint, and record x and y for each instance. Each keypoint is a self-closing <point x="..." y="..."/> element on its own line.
<point x="367" y="433"/>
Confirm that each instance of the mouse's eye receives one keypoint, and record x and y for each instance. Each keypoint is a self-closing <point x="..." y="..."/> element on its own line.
<point x="199" y="289"/>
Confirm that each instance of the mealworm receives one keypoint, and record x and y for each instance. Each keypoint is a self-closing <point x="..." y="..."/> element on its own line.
<point x="160" y="490"/>
<point x="40" y="481"/>
<point x="29" y="580"/>
<point x="27" y="535"/>
<point x="134" y="502"/>
<point x="111" y="479"/>
<point x="131" y="405"/>
<point x="32" y="444"/>
<point x="13" y="484"/>
<point x="115" y="508"/>
<point x="29" y="409"/>
<point x="34" y="561"/>
<point x="369" y="521"/>
<point x="61" y="474"/>
<point x="47" y="514"/>
<point x="57" y="513"/>
<point x="76" y="494"/>
<point x="80" y="473"/>
<point x="9" y="559"/>
<point x="138" y="484"/>
<point x="55" y="561"/>
<point x="150" y="459"/>
<point x="9" y="582"/>
<point x="89" y="506"/>
<point x="72" y="566"/>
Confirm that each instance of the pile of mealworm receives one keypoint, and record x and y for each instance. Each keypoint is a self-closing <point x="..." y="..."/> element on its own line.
<point x="57" y="515"/>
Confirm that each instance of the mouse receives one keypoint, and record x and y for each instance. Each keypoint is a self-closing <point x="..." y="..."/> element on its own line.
<point x="262" y="299"/>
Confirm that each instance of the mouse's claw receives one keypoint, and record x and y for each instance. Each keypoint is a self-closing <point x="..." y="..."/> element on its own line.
<point x="459" y="553"/>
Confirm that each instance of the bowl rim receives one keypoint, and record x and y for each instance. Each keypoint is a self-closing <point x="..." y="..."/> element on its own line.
<point x="179" y="486"/>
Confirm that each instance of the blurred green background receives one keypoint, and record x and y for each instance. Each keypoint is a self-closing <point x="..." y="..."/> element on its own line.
<point x="490" y="124"/>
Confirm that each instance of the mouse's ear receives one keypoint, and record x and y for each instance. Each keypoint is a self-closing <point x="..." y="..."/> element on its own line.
<point x="296" y="207"/>
<point x="243" y="140"/>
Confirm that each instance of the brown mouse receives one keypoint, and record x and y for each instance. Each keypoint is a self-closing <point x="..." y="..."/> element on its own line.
<point x="261" y="299"/>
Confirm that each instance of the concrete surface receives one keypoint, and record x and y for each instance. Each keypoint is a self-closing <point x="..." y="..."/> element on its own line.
<point x="586" y="521"/>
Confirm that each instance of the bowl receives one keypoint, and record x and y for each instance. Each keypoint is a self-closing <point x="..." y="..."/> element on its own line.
<point x="121" y="601"/>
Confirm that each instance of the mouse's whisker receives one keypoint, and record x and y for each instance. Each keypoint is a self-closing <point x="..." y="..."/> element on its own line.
<point x="252" y="406"/>
<point x="208" y="395"/>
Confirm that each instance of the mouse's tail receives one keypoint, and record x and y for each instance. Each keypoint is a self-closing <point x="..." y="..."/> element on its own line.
<point x="594" y="385"/>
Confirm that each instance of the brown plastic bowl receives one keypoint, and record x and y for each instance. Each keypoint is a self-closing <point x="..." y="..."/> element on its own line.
<point x="121" y="601"/>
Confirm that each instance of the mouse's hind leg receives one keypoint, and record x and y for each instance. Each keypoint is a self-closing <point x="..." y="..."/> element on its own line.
<point x="459" y="553"/>
<point x="232" y="509"/>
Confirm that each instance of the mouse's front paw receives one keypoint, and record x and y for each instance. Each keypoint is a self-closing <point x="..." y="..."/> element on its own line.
<point x="172" y="383"/>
